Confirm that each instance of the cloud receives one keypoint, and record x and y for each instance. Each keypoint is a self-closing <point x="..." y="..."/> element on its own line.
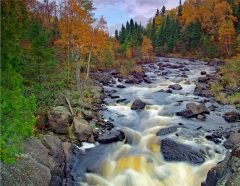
<point x="117" y="12"/>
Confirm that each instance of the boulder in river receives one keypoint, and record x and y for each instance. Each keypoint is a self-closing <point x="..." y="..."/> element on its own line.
<point x="58" y="119"/>
<point x="138" y="105"/>
<point x="192" y="110"/>
<point x="83" y="130"/>
<point x="102" y="77"/>
<point x="111" y="136"/>
<point x="166" y="131"/>
<point x="203" y="79"/>
<point x="121" y="86"/>
<point x="226" y="172"/>
<point x="203" y="73"/>
<point x="233" y="140"/>
<point x="175" y="87"/>
<point x="231" y="116"/>
<point x="173" y="151"/>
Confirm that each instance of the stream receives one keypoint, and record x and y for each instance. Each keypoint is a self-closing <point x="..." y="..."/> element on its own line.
<point x="138" y="161"/>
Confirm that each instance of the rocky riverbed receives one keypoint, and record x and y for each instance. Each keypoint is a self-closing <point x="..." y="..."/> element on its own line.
<point x="159" y="127"/>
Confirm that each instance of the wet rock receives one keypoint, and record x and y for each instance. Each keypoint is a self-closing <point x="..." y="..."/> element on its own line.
<point x="231" y="116"/>
<point x="192" y="110"/>
<point x="138" y="105"/>
<point x="166" y="131"/>
<point x="114" y="97"/>
<point x="197" y="109"/>
<point x="147" y="80"/>
<point x="58" y="119"/>
<point x="226" y="172"/>
<point x="121" y="86"/>
<point x="203" y="73"/>
<point x="173" y="151"/>
<point x="121" y="100"/>
<point x="111" y="136"/>
<point x="203" y="79"/>
<point x="185" y="113"/>
<point x="103" y="77"/>
<point x="213" y="138"/>
<point x="175" y="87"/>
<point x="83" y="130"/>
<point x="184" y="76"/>
<point x="56" y="158"/>
<point x="201" y="117"/>
<point x="233" y="140"/>
<point x="169" y="91"/>
<point x="26" y="171"/>
<point x="164" y="73"/>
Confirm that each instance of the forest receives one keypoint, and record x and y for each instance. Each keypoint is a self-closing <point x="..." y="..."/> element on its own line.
<point x="48" y="49"/>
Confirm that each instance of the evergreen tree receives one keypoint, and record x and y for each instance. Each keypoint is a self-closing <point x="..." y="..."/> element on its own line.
<point x="157" y="13"/>
<point x="39" y="65"/>
<point x="17" y="110"/>
<point x="163" y="11"/>
<point x="116" y="34"/>
<point x="122" y="34"/>
<point x="180" y="8"/>
<point x="131" y="26"/>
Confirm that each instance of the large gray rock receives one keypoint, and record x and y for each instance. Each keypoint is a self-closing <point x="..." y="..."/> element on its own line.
<point x="232" y="141"/>
<point x="26" y="171"/>
<point x="175" y="87"/>
<point x="56" y="158"/>
<point x="111" y="136"/>
<point x="83" y="130"/>
<point x="193" y="110"/>
<point x="227" y="172"/>
<point x="58" y="119"/>
<point x="138" y="105"/>
<point x="103" y="77"/>
<point x="173" y="151"/>
<point x="231" y="116"/>
<point x="34" y="148"/>
<point x="166" y="131"/>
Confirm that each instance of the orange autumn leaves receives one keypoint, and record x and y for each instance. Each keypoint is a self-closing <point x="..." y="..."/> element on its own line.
<point x="79" y="32"/>
<point x="216" y="18"/>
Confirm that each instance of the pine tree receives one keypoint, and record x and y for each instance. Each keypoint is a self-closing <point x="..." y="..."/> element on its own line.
<point x="180" y="9"/>
<point x="17" y="110"/>
<point x="157" y="13"/>
<point x="163" y="11"/>
<point x="131" y="26"/>
<point x="122" y="34"/>
<point x="116" y="34"/>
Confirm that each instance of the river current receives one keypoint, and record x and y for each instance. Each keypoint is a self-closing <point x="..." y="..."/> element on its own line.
<point x="138" y="161"/>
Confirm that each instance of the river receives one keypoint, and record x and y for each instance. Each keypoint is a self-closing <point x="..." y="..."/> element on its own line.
<point x="138" y="161"/>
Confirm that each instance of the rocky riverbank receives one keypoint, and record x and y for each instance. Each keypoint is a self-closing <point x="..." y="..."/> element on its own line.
<point x="61" y="156"/>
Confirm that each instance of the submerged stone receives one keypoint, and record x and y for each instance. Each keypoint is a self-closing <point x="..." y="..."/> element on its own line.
<point x="173" y="151"/>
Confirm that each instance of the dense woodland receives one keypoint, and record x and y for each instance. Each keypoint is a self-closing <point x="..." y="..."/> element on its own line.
<point x="48" y="48"/>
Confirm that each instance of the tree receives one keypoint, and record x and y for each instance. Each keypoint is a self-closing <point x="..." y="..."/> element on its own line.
<point x="17" y="111"/>
<point x="227" y="36"/>
<point x="163" y="11"/>
<point x="180" y="8"/>
<point x="157" y="13"/>
<point x="147" y="48"/>
<point x="75" y="32"/>
<point x="116" y="34"/>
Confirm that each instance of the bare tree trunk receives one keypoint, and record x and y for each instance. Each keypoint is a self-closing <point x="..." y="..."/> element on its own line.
<point x="78" y="80"/>
<point x="88" y="63"/>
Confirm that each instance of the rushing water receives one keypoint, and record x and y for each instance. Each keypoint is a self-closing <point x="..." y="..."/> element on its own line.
<point x="139" y="162"/>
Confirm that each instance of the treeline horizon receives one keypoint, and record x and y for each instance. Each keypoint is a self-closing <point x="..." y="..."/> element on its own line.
<point x="202" y="29"/>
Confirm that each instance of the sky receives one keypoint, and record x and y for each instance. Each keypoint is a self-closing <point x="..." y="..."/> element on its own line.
<point x="118" y="12"/>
